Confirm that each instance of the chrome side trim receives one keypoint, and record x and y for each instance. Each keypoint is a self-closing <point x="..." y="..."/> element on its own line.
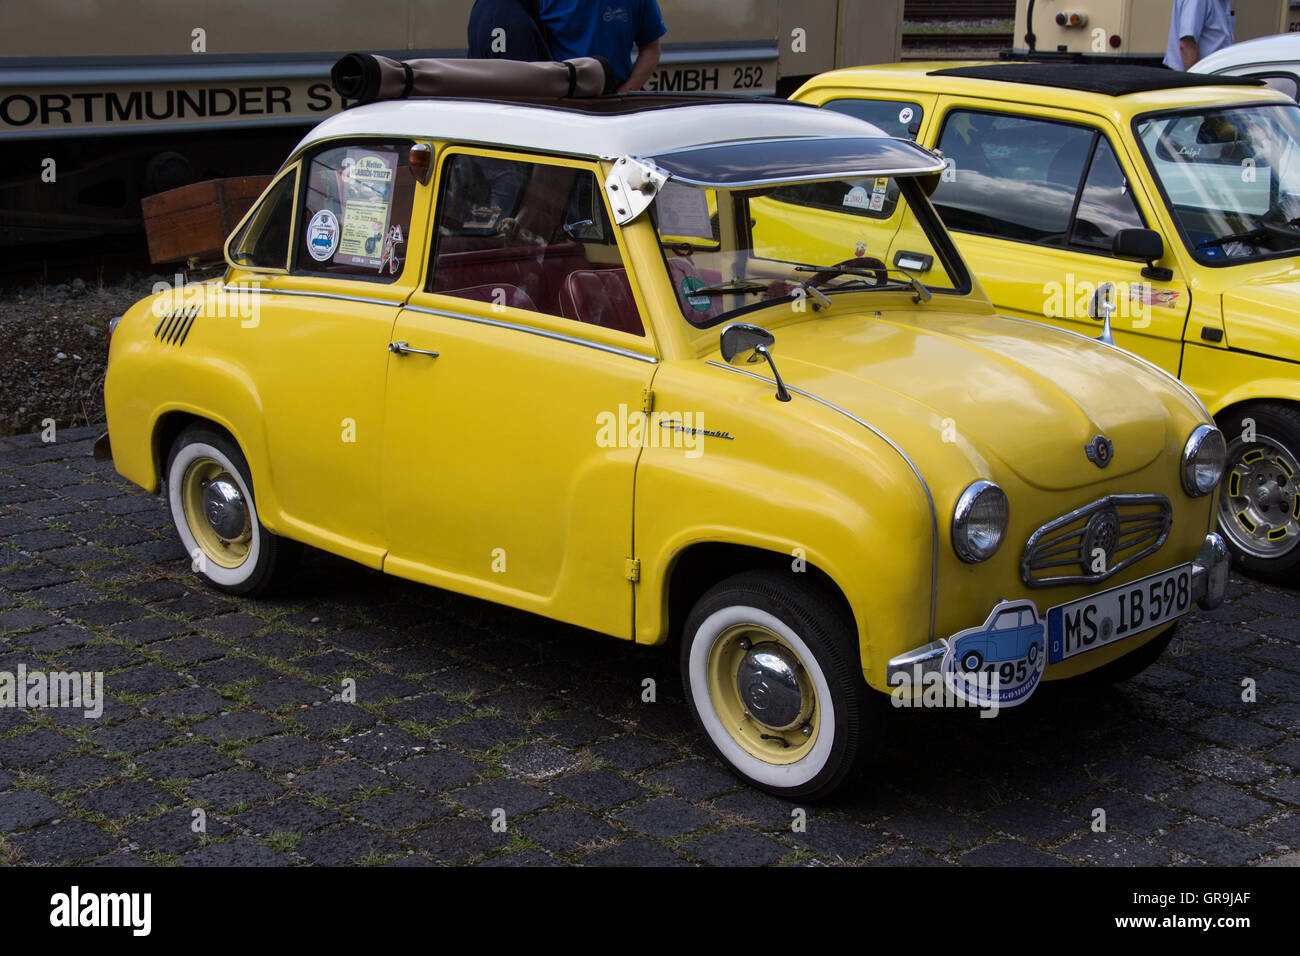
<point x="934" y="515"/>
<point x="269" y="290"/>
<point x="544" y="333"/>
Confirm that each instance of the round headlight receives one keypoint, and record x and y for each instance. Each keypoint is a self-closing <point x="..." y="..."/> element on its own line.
<point x="1205" y="456"/>
<point x="979" y="522"/>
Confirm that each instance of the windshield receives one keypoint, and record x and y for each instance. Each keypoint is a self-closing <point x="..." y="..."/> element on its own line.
<point x="1231" y="177"/>
<point x="733" y="251"/>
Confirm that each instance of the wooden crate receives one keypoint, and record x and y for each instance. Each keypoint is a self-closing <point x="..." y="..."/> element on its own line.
<point x="195" y="220"/>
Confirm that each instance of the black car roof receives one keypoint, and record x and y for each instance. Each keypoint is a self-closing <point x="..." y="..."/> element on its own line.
<point x="1109" y="79"/>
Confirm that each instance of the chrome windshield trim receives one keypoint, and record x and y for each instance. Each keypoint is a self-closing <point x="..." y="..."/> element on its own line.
<point x="934" y="515"/>
<point x="544" y="333"/>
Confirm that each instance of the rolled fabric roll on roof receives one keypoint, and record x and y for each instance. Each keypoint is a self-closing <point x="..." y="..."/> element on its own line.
<point x="367" y="78"/>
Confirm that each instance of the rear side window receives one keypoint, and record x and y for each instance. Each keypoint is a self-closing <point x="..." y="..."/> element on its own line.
<point x="895" y="117"/>
<point x="531" y="236"/>
<point x="355" y="217"/>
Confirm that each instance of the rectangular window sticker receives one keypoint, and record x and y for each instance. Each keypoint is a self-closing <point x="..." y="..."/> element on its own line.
<point x="683" y="211"/>
<point x="368" y="177"/>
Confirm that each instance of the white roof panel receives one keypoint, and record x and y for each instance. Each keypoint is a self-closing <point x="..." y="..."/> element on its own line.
<point x="603" y="135"/>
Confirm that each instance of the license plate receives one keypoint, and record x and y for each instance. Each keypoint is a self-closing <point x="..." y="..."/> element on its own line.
<point x="1117" y="613"/>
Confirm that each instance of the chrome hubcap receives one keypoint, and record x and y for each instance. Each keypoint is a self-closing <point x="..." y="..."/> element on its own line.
<point x="1259" y="505"/>
<point x="224" y="508"/>
<point x="768" y="681"/>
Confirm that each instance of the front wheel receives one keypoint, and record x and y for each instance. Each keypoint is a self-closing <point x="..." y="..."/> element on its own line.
<point x="210" y="495"/>
<point x="1259" y="500"/>
<point x="772" y="676"/>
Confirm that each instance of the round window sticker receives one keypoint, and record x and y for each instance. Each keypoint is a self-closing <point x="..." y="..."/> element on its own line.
<point x="323" y="235"/>
<point x="700" y="303"/>
<point x="905" y="114"/>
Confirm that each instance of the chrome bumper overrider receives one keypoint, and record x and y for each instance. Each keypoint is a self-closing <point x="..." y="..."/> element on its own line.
<point x="1209" y="586"/>
<point x="1210" y="572"/>
<point x="102" y="451"/>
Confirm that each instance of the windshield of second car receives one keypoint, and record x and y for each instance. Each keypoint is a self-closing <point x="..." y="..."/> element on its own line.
<point x="1232" y="177"/>
<point x="796" y="245"/>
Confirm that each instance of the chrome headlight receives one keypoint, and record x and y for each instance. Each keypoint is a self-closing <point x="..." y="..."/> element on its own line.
<point x="1205" y="456"/>
<point x="979" y="522"/>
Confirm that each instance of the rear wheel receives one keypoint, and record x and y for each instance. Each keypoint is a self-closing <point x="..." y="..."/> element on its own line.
<point x="772" y="676"/>
<point x="1259" y="500"/>
<point x="210" y="495"/>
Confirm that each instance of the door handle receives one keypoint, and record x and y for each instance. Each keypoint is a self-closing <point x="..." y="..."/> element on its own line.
<point x="402" y="348"/>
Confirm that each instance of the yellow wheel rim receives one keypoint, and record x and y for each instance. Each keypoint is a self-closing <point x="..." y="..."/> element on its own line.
<point x="226" y="552"/>
<point x="734" y="695"/>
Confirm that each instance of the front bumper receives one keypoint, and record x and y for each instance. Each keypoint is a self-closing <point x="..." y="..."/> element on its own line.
<point x="1209" y="587"/>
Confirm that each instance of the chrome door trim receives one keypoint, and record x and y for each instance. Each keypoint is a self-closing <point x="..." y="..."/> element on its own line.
<point x="268" y="290"/>
<point x="934" y="515"/>
<point x="544" y="333"/>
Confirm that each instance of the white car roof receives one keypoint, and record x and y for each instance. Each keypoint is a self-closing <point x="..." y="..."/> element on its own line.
<point x="1282" y="48"/>
<point x="592" y="132"/>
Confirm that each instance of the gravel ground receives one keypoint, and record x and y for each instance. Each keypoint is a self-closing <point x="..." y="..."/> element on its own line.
<point x="54" y="347"/>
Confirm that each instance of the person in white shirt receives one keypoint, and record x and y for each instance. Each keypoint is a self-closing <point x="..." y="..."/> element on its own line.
<point x="1197" y="29"/>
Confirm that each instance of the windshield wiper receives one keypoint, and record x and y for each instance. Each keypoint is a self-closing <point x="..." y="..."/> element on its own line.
<point x="826" y="273"/>
<point x="734" y="287"/>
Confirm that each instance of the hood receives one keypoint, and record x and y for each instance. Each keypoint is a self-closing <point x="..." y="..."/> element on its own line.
<point x="1263" y="315"/>
<point x="1027" y="395"/>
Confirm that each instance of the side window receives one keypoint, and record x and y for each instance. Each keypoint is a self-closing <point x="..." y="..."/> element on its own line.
<point x="1106" y="205"/>
<point x="875" y="198"/>
<point x="1012" y="177"/>
<point x="531" y="236"/>
<point x="264" y="241"/>
<point x="356" y="212"/>
<point x="896" y="117"/>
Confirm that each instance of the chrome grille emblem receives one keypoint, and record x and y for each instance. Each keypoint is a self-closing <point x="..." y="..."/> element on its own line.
<point x="1100" y="451"/>
<point x="1126" y="528"/>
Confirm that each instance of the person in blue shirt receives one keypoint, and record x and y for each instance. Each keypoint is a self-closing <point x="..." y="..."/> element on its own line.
<point x="507" y="30"/>
<point x="1197" y="29"/>
<point x="608" y="28"/>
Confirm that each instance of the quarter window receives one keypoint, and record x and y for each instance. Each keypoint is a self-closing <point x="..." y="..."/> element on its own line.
<point x="532" y="236"/>
<point x="264" y="241"/>
<point x="355" y="219"/>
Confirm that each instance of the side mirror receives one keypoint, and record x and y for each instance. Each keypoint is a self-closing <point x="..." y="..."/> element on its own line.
<point x="745" y="344"/>
<point x="741" y="342"/>
<point x="1138" y="245"/>
<point x="1142" y="245"/>
<point x="1102" y="306"/>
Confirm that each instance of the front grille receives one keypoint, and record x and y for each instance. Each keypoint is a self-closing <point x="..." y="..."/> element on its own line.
<point x="175" y="325"/>
<point x="1126" y="528"/>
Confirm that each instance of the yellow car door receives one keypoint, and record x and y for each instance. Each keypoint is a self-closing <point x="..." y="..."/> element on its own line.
<point x="501" y="475"/>
<point x="1035" y="204"/>
<point x="318" y="343"/>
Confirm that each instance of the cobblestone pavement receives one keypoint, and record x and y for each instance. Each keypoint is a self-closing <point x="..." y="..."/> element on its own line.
<point x="465" y="708"/>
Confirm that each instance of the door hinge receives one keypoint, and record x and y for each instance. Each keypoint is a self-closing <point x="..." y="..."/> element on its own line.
<point x="632" y="569"/>
<point x="647" y="400"/>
